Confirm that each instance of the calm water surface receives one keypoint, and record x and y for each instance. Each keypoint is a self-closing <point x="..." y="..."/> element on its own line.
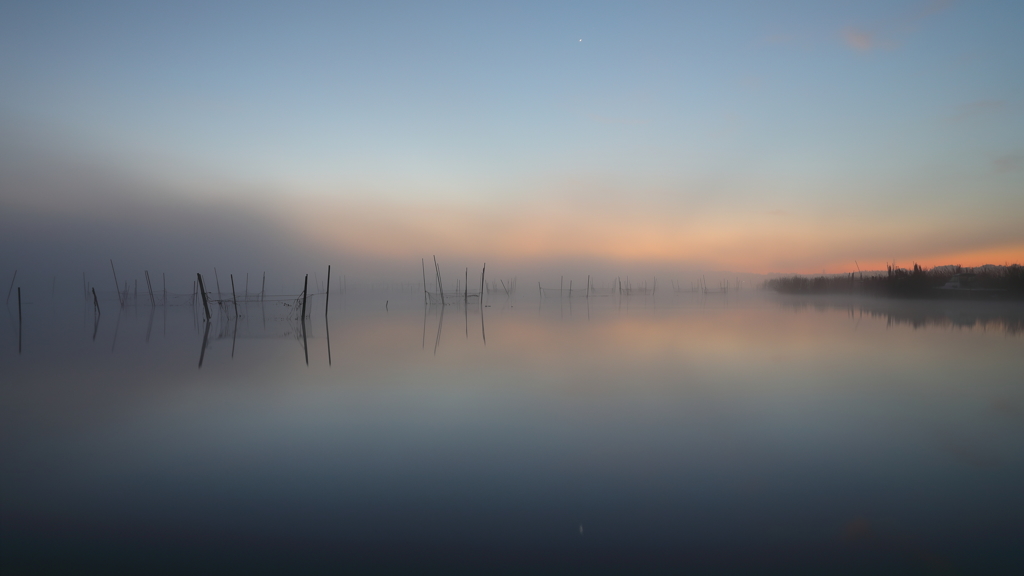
<point x="748" y="433"/>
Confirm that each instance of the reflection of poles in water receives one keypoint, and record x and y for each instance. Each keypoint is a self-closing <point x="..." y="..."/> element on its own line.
<point x="234" y="336"/>
<point x="206" y="338"/>
<point x="149" y="328"/>
<point x="305" y="345"/>
<point x="117" y="327"/>
<point x="327" y="324"/>
<point x="482" y="333"/>
<point x="440" y="321"/>
<point x="95" y="325"/>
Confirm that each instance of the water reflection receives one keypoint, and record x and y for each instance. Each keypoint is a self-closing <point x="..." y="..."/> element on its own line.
<point x="1000" y="316"/>
<point x="742" y="432"/>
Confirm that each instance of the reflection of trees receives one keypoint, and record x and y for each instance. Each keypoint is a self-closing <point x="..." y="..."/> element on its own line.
<point x="1005" y="316"/>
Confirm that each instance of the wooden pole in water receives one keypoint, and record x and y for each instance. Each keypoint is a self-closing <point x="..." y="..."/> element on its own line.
<point x="482" y="272"/>
<point x="570" y="288"/>
<point x="465" y="297"/>
<point x="263" y="290"/>
<point x="423" y="265"/>
<point x="12" y="287"/>
<point x="305" y="286"/>
<point x="95" y="301"/>
<point x="234" y="298"/>
<point x="19" y="319"/>
<point x="149" y="283"/>
<point x="437" y="272"/>
<point x="327" y="300"/>
<point x="202" y="291"/>
<point x="588" y="285"/>
<point x="117" y="285"/>
<point x="217" y="278"/>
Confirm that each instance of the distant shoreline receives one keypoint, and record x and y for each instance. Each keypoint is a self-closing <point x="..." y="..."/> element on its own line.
<point x="940" y="283"/>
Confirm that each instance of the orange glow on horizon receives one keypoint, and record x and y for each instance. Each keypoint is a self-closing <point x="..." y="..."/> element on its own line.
<point x="747" y="242"/>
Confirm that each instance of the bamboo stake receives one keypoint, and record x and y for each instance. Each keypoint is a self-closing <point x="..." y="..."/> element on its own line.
<point x="423" y="266"/>
<point x="217" y="278"/>
<point x="202" y="291"/>
<point x="327" y="300"/>
<point x="149" y="283"/>
<point x="305" y="286"/>
<point x="263" y="290"/>
<point x="117" y="285"/>
<point x="19" y="319"/>
<point x="437" y="272"/>
<point x="95" y="301"/>
<point x="234" y="298"/>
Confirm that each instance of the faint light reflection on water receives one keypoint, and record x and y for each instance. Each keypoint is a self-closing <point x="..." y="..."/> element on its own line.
<point x="746" y="432"/>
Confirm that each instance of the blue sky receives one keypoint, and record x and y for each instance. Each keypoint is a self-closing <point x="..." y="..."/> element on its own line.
<point x="739" y="135"/>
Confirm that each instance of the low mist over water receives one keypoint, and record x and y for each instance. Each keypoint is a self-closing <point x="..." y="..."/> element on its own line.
<point x="594" y="377"/>
<point x="726" y="432"/>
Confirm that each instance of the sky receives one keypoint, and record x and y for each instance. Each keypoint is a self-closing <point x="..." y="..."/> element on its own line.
<point x="781" y="137"/>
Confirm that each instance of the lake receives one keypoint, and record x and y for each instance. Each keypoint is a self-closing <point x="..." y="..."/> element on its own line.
<point x="707" y="433"/>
